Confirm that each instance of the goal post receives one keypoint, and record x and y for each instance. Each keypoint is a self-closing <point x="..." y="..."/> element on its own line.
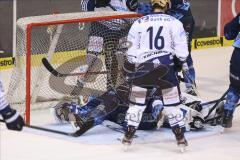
<point x="60" y="40"/>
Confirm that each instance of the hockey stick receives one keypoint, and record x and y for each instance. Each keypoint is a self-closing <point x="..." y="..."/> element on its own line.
<point x="216" y="104"/>
<point x="116" y="129"/>
<point x="203" y="104"/>
<point x="74" y="134"/>
<point x="114" y="9"/>
<point x="186" y="73"/>
<point x="54" y="33"/>
<point x="211" y="102"/>
<point x="54" y="72"/>
<point x="214" y="118"/>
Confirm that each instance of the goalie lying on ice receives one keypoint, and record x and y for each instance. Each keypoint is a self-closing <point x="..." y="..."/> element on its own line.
<point x="110" y="107"/>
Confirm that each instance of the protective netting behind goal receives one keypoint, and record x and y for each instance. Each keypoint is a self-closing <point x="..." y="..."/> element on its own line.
<point x="86" y="42"/>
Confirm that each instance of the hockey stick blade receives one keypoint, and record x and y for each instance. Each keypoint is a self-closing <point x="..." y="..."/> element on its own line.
<point x="49" y="67"/>
<point x="120" y="130"/>
<point x="54" y="72"/>
<point x="52" y="131"/>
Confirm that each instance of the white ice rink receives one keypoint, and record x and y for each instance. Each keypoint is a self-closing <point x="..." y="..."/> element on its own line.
<point x="212" y="66"/>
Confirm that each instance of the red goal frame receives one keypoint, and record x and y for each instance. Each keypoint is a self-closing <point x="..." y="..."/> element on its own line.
<point x="28" y="46"/>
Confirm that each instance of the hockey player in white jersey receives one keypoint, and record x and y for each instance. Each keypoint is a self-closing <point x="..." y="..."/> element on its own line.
<point x="180" y="9"/>
<point x="158" y="38"/>
<point x="13" y="120"/>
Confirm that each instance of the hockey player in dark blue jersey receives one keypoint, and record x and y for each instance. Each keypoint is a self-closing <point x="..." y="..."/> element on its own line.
<point x="105" y="36"/>
<point x="111" y="5"/>
<point x="180" y="9"/>
<point x="13" y="120"/>
<point x="232" y="31"/>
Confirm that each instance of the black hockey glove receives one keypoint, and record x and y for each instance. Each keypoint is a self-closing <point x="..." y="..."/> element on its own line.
<point x="132" y="4"/>
<point x="177" y="64"/>
<point x="12" y="119"/>
<point x="101" y="3"/>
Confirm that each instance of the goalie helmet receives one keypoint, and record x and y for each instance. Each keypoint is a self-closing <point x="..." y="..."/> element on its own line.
<point x="160" y="3"/>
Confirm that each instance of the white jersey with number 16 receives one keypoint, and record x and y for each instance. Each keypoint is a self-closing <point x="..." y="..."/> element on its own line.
<point x="155" y="36"/>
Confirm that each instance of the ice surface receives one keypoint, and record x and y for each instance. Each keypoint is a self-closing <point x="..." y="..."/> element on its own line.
<point x="212" y="66"/>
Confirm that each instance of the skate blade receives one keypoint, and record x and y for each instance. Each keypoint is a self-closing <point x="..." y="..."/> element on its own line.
<point x="183" y="148"/>
<point x="224" y="130"/>
<point x="126" y="147"/>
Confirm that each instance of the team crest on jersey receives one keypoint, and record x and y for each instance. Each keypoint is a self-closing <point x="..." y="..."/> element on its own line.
<point x="143" y="19"/>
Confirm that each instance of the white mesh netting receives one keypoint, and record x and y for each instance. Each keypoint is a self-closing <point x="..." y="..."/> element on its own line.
<point x="74" y="42"/>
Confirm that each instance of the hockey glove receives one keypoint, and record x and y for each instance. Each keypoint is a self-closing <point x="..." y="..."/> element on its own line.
<point x="101" y="3"/>
<point x="132" y="4"/>
<point x="12" y="119"/>
<point x="178" y="65"/>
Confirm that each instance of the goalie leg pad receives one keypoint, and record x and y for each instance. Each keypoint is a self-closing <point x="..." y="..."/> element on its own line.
<point x="95" y="44"/>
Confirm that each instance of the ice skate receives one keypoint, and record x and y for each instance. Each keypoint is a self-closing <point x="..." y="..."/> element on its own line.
<point x="182" y="144"/>
<point x="181" y="141"/>
<point x="227" y="119"/>
<point x="128" y="137"/>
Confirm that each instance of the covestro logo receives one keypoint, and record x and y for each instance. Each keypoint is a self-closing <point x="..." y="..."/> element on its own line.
<point x="6" y="63"/>
<point x="210" y="42"/>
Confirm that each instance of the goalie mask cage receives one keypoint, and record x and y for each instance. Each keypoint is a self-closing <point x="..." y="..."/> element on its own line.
<point x="63" y="40"/>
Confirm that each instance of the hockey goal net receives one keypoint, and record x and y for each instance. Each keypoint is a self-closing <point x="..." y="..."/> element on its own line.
<point x="84" y="42"/>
